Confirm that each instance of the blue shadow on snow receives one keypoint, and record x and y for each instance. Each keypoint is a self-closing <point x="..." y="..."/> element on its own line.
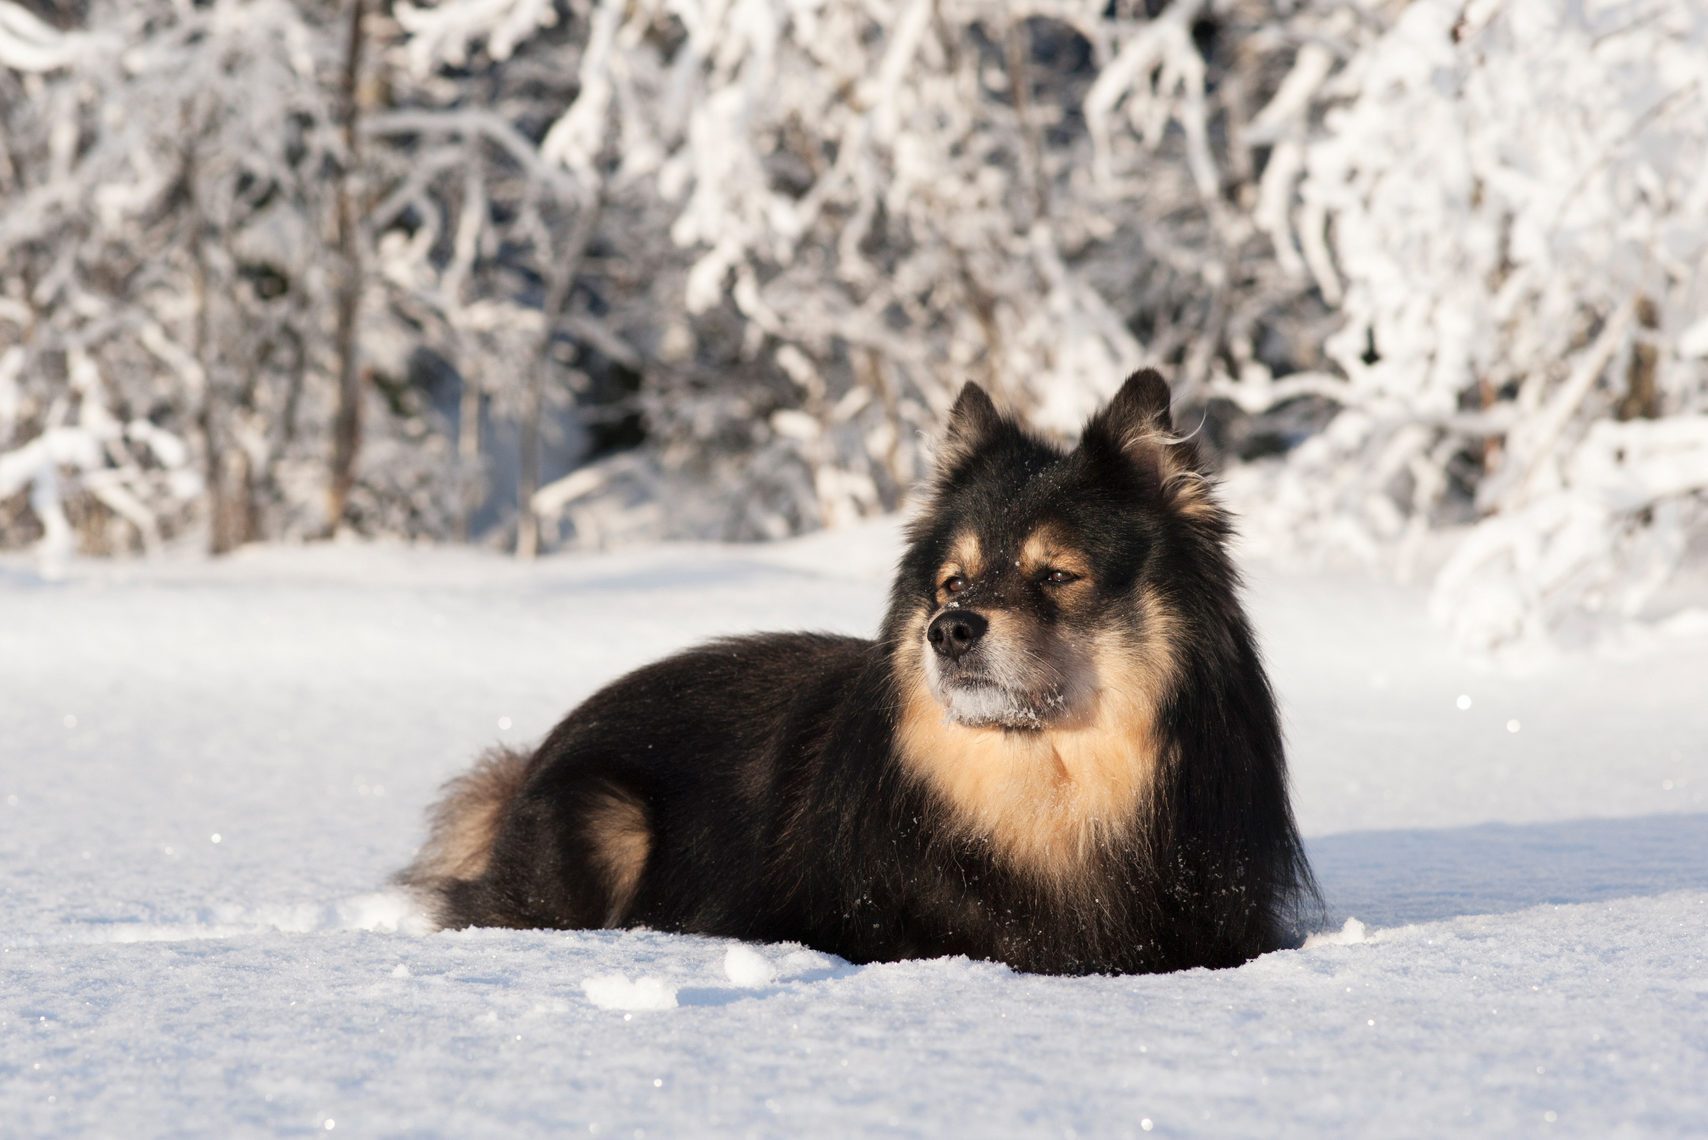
<point x="1391" y="878"/>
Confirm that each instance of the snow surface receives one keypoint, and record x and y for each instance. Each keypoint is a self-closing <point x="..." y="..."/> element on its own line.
<point x="207" y="772"/>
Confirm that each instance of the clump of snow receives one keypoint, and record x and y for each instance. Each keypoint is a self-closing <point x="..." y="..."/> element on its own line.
<point x="1351" y="933"/>
<point x="381" y="910"/>
<point x="616" y="991"/>
<point x="746" y="966"/>
<point x="799" y="962"/>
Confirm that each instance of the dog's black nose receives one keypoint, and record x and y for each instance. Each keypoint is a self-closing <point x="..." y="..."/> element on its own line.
<point x="954" y="632"/>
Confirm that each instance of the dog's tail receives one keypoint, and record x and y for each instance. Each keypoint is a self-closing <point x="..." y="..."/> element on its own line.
<point x="464" y="824"/>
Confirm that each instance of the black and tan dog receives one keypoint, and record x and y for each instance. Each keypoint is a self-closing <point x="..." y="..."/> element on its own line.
<point x="1061" y="752"/>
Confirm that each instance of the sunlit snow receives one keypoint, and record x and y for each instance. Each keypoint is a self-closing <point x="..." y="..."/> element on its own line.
<point x="1514" y="937"/>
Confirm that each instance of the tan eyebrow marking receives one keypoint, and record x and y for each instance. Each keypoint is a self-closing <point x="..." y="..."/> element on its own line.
<point x="966" y="557"/>
<point x="1047" y="547"/>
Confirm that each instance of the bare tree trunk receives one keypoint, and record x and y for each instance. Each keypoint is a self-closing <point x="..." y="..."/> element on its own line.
<point x="235" y="518"/>
<point x="558" y="293"/>
<point x="201" y="346"/>
<point x="1019" y="44"/>
<point x="347" y="418"/>
<point x="283" y="428"/>
<point x="528" y="473"/>
<point x="874" y="375"/>
<point x="471" y="221"/>
<point x="1642" y="399"/>
<point x="213" y="470"/>
<point x="1490" y="452"/>
<point x="468" y="450"/>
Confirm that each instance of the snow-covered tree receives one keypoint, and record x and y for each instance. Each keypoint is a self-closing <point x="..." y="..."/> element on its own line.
<point x="1430" y="270"/>
<point x="162" y="281"/>
<point x="871" y="203"/>
<point x="1507" y="204"/>
<point x="217" y="215"/>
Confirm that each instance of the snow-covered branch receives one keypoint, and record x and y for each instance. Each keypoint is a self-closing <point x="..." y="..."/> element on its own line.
<point x="716" y="269"/>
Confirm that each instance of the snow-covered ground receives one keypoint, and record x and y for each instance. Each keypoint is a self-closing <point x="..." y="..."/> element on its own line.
<point x="208" y="771"/>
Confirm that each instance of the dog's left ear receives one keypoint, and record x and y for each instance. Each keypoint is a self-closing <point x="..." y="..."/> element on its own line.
<point x="1136" y="425"/>
<point x="1139" y="409"/>
<point x="973" y="423"/>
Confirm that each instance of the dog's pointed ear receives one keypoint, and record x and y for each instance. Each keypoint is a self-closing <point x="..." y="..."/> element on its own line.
<point x="1137" y="427"/>
<point x="973" y="422"/>
<point x="1139" y="409"/>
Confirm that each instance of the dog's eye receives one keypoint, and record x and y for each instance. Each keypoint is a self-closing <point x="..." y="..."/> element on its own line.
<point x="954" y="584"/>
<point x="1060" y="577"/>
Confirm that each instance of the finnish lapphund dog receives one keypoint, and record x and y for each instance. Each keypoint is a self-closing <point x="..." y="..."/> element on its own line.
<point x="1061" y="751"/>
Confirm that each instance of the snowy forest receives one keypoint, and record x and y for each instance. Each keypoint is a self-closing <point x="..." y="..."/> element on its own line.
<point x="381" y="380"/>
<point x="1430" y="278"/>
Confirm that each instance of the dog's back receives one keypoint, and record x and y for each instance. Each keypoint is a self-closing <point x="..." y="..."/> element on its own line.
<point x="661" y="801"/>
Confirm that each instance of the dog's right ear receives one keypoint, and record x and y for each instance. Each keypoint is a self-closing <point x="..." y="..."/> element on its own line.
<point x="1138" y="410"/>
<point x="1137" y="427"/>
<point x="973" y="422"/>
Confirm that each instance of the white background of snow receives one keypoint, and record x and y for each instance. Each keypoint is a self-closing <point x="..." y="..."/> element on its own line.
<point x="1535" y="902"/>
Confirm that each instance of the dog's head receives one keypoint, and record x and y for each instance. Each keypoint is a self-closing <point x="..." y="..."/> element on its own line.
<point x="1037" y="580"/>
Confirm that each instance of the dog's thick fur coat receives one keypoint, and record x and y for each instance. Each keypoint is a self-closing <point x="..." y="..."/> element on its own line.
<point x="1061" y="752"/>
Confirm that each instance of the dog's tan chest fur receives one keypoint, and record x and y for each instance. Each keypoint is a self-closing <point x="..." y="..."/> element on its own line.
<point x="1050" y="800"/>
